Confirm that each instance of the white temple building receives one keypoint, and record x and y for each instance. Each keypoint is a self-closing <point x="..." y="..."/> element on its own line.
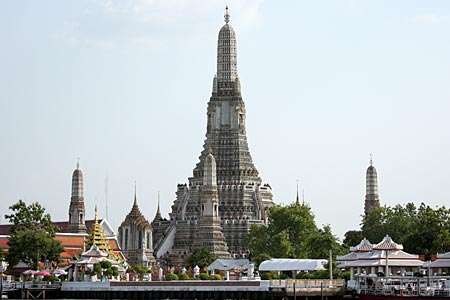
<point x="441" y="266"/>
<point x="386" y="257"/>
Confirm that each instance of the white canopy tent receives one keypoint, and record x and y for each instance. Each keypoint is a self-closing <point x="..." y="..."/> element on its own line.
<point x="288" y="264"/>
<point x="229" y="264"/>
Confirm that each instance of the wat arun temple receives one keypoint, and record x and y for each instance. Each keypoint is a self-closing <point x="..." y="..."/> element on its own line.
<point x="225" y="194"/>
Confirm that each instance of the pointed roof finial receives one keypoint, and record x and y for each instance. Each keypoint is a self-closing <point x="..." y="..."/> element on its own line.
<point x="371" y="160"/>
<point x="297" y="201"/>
<point x="159" y="210"/>
<point x="78" y="163"/>
<point x="96" y="215"/>
<point x="227" y="15"/>
<point x="135" y="197"/>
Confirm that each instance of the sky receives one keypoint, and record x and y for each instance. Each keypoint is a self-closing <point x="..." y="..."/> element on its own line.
<point x="124" y="86"/>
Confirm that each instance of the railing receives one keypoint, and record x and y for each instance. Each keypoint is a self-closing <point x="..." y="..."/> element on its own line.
<point x="16" y="285"/>
<point x="310" y="287"/>
<point x="308" y="283"/>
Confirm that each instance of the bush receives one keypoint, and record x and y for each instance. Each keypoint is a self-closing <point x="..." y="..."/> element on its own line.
<point x="183" y="276"/>
<point x="106" y="264"/>
<point x="321" y="274"/>
<point x="346" y="275"/>
<point x="284" y="276"/>
<point x="215" y="277"/>
<point x="269" y="275"/>
<point x="97" y="268"/>
<point x="51" y="278"/>
<point x="171" y="276"/>
<point x="115" y="271"/>
<point x="204" y="276"/>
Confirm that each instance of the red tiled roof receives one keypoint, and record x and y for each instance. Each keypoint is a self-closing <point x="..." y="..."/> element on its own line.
<point x="72" y="241"/>
<point x="4" y="229"/>
<point x="4" y="242"/>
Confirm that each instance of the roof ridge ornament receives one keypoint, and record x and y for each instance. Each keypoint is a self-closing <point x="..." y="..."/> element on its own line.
<point x="226" y="15"/>
<point x="371" y="160"/>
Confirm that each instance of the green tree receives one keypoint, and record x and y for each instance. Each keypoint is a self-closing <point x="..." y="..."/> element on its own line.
<point x="421" y="230"/>
<point x="291" y="233"/>
<point x="352" y="238"/>
<point x="97" y="269"/>
<point x="2" y="254"/>
<point x="201" y="257"/>
<point x="323" y="242"/>
<point x="32" y="235"/>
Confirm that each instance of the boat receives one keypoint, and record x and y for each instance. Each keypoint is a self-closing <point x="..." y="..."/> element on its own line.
<point x="373" y="287"/>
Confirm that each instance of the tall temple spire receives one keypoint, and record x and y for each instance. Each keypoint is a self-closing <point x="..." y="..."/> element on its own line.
<point x="76" y="208"/>
<point x="209" y="231"/>
<point x="226" y="52"/>
<point x="372" y="200"/>
<point x="297" y="200"/>
<point x="229" y="175"/>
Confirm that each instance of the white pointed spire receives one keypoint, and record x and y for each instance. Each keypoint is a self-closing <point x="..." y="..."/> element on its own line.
<point x="226" y="52"/>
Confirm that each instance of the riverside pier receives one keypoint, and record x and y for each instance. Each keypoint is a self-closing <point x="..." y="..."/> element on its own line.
<point x="192" y="289"/>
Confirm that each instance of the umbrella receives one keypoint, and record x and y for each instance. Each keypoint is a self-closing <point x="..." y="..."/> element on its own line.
<point x="29" y="272"/>
<point x="43" y="273"/>
<point x="58" y="272"/>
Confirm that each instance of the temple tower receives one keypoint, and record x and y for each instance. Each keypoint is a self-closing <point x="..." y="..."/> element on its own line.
<point x="209" y="230"/>
<point x="372" y="199"/>
<point x="135" y="237"/>
<point x="242" y="198"/>
<point x="76" y="208"/>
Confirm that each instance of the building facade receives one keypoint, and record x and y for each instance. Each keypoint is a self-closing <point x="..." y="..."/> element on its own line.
<point x="135" y="237"/>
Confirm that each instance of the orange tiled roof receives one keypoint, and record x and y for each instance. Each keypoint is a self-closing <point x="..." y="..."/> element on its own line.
<point x="68" y="240"/>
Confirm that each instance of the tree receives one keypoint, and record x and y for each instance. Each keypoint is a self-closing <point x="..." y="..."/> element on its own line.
<point x="352" y="238"/>
<point x="291" y="233"/>
<point x="32" y="236"/>
<point x="421" y="230"/>
<point x="201" y="257"/>
<point x="2" y="254"/>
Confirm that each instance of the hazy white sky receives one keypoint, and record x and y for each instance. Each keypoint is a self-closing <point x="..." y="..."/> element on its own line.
<point x="124" y="86"/>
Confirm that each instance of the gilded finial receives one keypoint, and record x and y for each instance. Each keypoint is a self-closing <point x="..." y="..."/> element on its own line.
<point x="96" y="215"/>
<point x="210" y="150"/>
<point x="227" y="15"/>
